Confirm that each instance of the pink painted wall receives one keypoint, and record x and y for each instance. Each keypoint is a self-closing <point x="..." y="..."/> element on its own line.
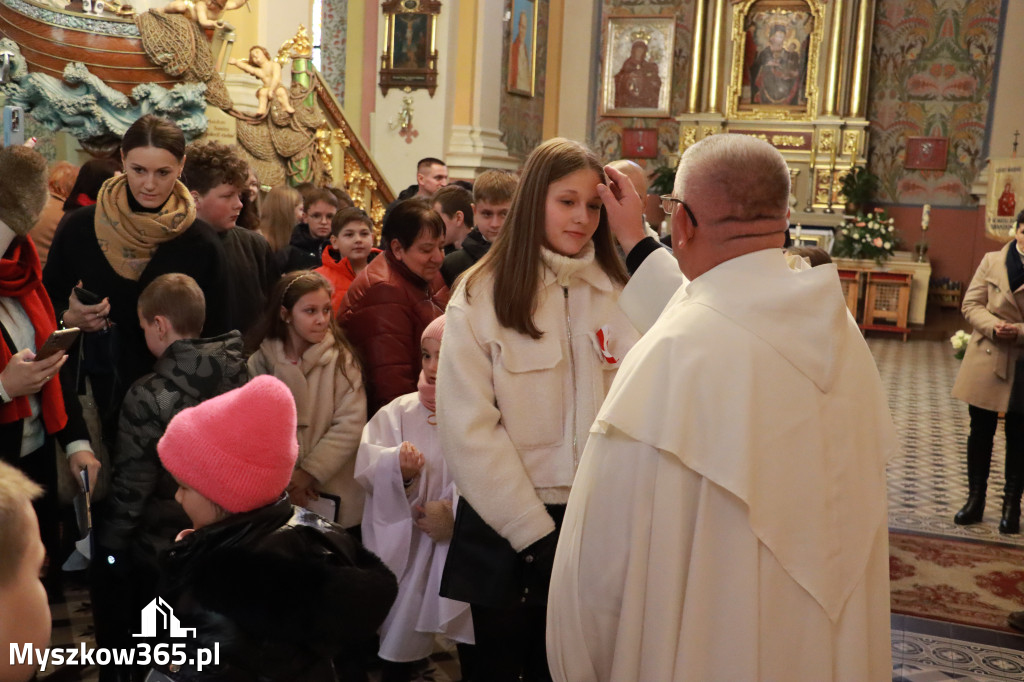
<point x="956" y="238"/>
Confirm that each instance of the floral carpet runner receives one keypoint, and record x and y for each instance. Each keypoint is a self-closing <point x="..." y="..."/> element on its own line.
<point x="957" y="581"/>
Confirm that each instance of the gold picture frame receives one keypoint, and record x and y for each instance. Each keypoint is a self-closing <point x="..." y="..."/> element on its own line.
<point x="637" y="77"/>
<point x="776" y="45"/>
<point x="521" y="71"/>
<point x="409" y="60"/>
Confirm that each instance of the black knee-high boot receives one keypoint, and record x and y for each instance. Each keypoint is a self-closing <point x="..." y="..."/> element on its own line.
<point x="1010" y="523"/>
<point x="979" y="461"/>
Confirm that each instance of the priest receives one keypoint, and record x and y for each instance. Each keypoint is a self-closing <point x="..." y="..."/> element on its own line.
<point x="728" y="520"/>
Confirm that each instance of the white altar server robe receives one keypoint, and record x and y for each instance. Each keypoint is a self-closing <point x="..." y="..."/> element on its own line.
<point x="728" y="520"/>
<point x="389" y="531"/>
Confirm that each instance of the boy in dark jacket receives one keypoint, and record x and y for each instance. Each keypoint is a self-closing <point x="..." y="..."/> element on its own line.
<point x="278" y="591"/>
<point x="141" y="517"/>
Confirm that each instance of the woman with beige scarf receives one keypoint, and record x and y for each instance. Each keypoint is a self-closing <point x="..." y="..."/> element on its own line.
<point x="142" y="226"/>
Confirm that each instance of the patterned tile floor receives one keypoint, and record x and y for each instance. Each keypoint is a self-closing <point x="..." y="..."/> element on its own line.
<point x="928" y="479"/>
<point x="927" y="484"/>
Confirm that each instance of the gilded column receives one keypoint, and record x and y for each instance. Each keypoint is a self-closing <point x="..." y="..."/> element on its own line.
<point x="300" y="51"/>
<point x="717" y="42"/>
<point x="836" y="26"/>
<point x="696" y="57"/>
<point x="865" y="20"/>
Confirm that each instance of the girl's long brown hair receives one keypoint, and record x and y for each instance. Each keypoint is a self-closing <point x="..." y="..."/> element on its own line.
<point x="287" y="292"/>
<point x="278" y="215"/>
<point x="514" y="259"/>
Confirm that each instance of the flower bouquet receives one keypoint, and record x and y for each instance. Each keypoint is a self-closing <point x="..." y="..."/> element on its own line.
<point x="872" y="236"/>
<point x="960" y="341"/>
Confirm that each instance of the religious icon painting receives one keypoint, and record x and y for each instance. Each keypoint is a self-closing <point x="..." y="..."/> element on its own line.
<point x="522" y="51"/>
<point x="775" y="59"/>
<point x="409" y="60"/>
<point x="637" y="75"/>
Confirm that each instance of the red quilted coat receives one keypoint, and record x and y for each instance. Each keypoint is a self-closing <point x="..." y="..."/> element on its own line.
<point x="384" y="314"/>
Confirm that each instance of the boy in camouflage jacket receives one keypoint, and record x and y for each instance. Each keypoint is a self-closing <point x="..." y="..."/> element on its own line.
<point x="140" y="517"/>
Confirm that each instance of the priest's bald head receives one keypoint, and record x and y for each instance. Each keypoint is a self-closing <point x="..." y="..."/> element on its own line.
<point x="732" y="198"/>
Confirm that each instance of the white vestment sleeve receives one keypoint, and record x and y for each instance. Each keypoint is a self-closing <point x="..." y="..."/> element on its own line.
<point x="650" y="288"/>
<point x="387" y="518"/>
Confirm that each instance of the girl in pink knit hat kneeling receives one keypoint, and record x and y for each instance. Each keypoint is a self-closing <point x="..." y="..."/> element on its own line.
<point x="279" y="591"/>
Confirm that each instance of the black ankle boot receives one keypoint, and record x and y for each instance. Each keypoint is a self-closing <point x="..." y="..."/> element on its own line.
<point x="974" y="510"/>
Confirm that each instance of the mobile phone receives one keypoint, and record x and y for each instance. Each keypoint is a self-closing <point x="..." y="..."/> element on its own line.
<point x="59" y="341"/>
<point x="14" y="130"/>
<point x="86" y="297"/>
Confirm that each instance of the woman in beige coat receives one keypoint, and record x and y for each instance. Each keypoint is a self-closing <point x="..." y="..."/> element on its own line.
<point x="303" y="347"/>
<point x="994" y="306"/>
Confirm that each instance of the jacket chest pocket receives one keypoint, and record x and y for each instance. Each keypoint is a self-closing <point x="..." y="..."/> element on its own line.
<point x="529" y="387"/>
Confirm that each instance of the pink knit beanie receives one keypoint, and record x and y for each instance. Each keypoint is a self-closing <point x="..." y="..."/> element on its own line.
<point x="434" y="330"/>
<point x="237" y="450"/>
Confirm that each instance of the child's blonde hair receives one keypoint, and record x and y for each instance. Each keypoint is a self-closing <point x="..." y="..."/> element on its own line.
<point x="277" y="215"/>
<point x="15" y="490"/>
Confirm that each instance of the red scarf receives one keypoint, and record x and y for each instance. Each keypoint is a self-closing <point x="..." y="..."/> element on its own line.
<point x="21" y="278"/>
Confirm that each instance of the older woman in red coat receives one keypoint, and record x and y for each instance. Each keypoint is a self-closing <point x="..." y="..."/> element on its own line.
<point x="393" y="300"/>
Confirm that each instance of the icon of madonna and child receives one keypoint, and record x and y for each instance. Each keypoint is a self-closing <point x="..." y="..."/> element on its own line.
<point x="775" y="59"/>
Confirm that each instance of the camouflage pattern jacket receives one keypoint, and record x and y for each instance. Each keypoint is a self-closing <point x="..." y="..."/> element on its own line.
<point x="141" y="517"/>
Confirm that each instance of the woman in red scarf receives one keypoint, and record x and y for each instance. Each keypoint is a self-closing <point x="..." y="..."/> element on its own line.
<point x="32" y="410"/>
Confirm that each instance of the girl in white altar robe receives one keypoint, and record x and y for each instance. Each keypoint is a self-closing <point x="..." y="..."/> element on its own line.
<point x="408" y="518"/>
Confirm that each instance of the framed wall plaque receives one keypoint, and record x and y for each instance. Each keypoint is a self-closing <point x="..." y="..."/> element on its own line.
<point x="926" y="153"/>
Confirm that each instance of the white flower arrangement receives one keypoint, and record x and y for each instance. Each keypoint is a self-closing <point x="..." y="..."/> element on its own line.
<point x="960" y="341"/>
<point x="872" y="236"/>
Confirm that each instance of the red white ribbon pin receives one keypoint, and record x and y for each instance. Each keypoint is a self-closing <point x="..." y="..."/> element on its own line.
<point x="602" y="344"/>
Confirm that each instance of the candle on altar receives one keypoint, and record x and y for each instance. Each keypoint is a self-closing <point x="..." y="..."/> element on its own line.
<point x="799" y="228"/>
<point x="926" y="216"/>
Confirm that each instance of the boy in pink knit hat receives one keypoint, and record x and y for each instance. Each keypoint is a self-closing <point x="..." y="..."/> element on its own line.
<point x="281" y="591"/>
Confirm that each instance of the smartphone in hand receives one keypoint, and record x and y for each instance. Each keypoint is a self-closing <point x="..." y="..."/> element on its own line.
<point x="59" y="341"/>
<point x="86" y="297"/>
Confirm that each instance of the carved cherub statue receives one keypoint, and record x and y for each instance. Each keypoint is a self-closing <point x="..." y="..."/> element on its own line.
<point x="260" y="64"/>
<point x="206" y="13"/>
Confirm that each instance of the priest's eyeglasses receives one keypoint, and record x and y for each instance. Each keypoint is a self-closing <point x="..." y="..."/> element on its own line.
<point x="668" y="204"/>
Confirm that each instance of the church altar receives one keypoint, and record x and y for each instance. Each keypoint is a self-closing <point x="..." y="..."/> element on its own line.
<point x="904" y="262"/>
<point x="793" y="73"/>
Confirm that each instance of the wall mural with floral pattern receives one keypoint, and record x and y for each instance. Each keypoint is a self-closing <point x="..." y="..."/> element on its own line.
<point x="932" y="74"/>
<point x="333" y="36"/>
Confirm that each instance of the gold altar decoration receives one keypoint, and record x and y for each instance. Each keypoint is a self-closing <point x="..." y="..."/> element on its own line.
<point x="797" y="78"/>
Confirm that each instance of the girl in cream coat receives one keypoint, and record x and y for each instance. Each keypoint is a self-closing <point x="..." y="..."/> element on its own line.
<point x="533" y="337"/>
<point x="993" y="305"/>
<point x="303" y="347"/>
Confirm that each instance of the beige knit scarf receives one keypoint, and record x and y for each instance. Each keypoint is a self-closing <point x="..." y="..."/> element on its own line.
<point x="129" y="239"/>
